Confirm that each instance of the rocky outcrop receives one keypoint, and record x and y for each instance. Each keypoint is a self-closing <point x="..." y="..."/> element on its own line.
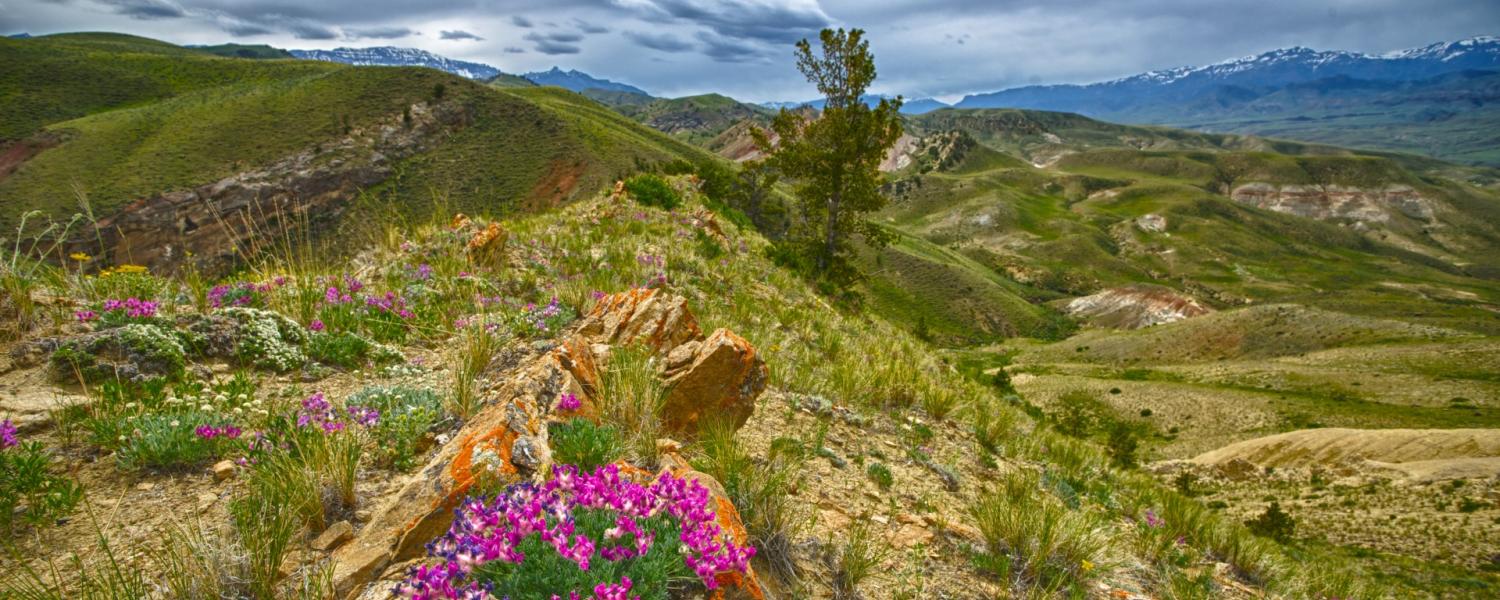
<point x="218" y="224"/>
<point x="506" y="441"/>
<point x="1151" y="223"/>
<point x="1134" y="307"/>
<point x="1338" y="202"/>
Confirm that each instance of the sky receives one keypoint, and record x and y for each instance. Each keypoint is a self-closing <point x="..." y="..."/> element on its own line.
<point x="743" y="48"/>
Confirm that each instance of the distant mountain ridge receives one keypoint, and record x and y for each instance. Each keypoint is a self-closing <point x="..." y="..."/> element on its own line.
<point x="1440" y="100"/>
<point x="391" y="56"/>
<point x="1276" y="68"/>
<point x="579" y="81"/>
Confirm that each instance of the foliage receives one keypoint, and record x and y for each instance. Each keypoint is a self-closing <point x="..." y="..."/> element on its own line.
<point x="585" y="444"/>
<point x="834" y="159"/>
<point x="1034" y="540"/>
<point x="28" y="488"/>
<point x="853" y="555"/>
<point x="651" y="190"/>
<point x="403" y="418"/>
<point x="1274" y="523"/>
<point x="1078" y="413"/>
<point x="881" y="475"/>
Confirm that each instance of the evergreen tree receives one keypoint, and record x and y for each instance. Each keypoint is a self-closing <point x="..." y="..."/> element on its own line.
<point x="834" y="159"/>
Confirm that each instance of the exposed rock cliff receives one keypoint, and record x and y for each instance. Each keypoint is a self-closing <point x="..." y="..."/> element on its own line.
<point x="216" y="224"/>
<point x="1338" y="202"/>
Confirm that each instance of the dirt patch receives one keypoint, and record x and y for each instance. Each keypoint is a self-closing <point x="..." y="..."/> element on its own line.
<point x="554" y="188"/>
<point x="14" y="154"/>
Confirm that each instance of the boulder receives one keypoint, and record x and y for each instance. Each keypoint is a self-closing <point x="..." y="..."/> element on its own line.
<point x="646" y="316"/>
<point x="719" y="379"/>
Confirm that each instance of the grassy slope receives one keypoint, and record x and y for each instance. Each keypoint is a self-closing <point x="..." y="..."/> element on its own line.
<point x="190" y="118"/>
<point x="55" y="78"/>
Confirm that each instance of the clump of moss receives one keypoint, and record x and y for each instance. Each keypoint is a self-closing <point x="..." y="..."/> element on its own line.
<point x="132" y="351"/>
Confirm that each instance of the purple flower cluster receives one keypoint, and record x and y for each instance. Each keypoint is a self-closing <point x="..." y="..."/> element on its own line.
<point x="391" y="302"/>
<point x="85" y="316"/>
<point x="132" y="307"/>
<point x="568" y="402"/>
<point x="1152" y="520"/>
<point x="209" y="432"/>
<point x="7" y="434"/>
<point x="540" y="319"/>
<point x="243" y="293"/>
<point x="317" y="412"/>
<point x="484" y="531"/>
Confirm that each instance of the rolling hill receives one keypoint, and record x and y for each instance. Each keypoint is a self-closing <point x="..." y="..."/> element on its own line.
<point x="163" y="140"/>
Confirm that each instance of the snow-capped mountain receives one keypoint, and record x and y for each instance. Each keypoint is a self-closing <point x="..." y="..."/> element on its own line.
<point x="579" y="81"/>
<point x="390" y="56"/>
<point x="1255" y="74"/>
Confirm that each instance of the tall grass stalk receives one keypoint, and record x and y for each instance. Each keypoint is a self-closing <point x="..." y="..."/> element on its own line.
<point x="631" y="397"/>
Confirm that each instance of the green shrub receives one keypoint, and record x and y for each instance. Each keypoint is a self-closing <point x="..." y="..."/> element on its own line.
<point x="881" y="475"/>
<point x="28" y="489"/>
<point x="1122" y="445"/>
<point x="651" y="190"/>
<point x="168" y="441"/>
<point x="407" y="414"/>
<point x="344" y="349"/>
<point x="267" y="339"/>
<point x="1077" y="413"/>
<point x="584" y="444"/>
<point x="1274" y="523"/>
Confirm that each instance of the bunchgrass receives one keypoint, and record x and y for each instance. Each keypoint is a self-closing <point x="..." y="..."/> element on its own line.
<point x="630" y="399"/>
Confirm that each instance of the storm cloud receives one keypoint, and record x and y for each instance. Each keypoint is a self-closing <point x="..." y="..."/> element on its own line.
<point x="941" y="48"/>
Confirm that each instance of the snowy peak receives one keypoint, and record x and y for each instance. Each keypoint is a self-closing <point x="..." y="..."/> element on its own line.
<point x="391" y="56"/>
<point x="1447" y="51"/>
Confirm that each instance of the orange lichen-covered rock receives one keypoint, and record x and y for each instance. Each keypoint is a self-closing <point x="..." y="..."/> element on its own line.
<point x="719" y="379"/>
<point x="487" y="247"/>
<point x="646" y="316"/>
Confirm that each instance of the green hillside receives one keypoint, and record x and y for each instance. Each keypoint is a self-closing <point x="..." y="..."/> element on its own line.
<point x="54" y="78"/>
<point x="183" y="118"/>
<point x="696" y="119"/>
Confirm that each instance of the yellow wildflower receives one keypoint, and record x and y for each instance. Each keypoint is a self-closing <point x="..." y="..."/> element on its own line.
<point x="79" y="256"/>
<point x="1087" y="566"/>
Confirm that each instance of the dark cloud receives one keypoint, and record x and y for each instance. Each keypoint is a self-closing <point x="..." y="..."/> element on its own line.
<point x="726" y="50"/>
<point x="561" y="42"/>
<point x="665" y="42"/>
<point x="771" y="21"/>
<point x="240" y="28"/>
<point x="520" y="21"/>
<point x="147" y="9"/>
<point x="378" y="33"/>
<point x="306" y="30"/>
<point x="589" y="28"/>
<point x="561" y="37"/>
<point x="459" y="34"/>
<point x="514" y="50"/>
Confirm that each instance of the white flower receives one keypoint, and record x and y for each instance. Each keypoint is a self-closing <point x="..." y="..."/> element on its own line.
<point x="175" y="423"/>
<point x="206" y="408"/>
<point x="221" y="398"/>
<point x="239" y="411"/>
<point x="240" y="397"/>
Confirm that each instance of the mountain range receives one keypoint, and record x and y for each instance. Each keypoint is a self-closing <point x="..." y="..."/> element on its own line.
<point x="579" y="81"/>
<point x="391" y="56"/>
<point x="1251" y="75"/>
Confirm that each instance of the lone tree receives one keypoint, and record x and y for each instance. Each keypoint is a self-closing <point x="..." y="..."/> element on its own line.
<point x="834" y="159"/>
